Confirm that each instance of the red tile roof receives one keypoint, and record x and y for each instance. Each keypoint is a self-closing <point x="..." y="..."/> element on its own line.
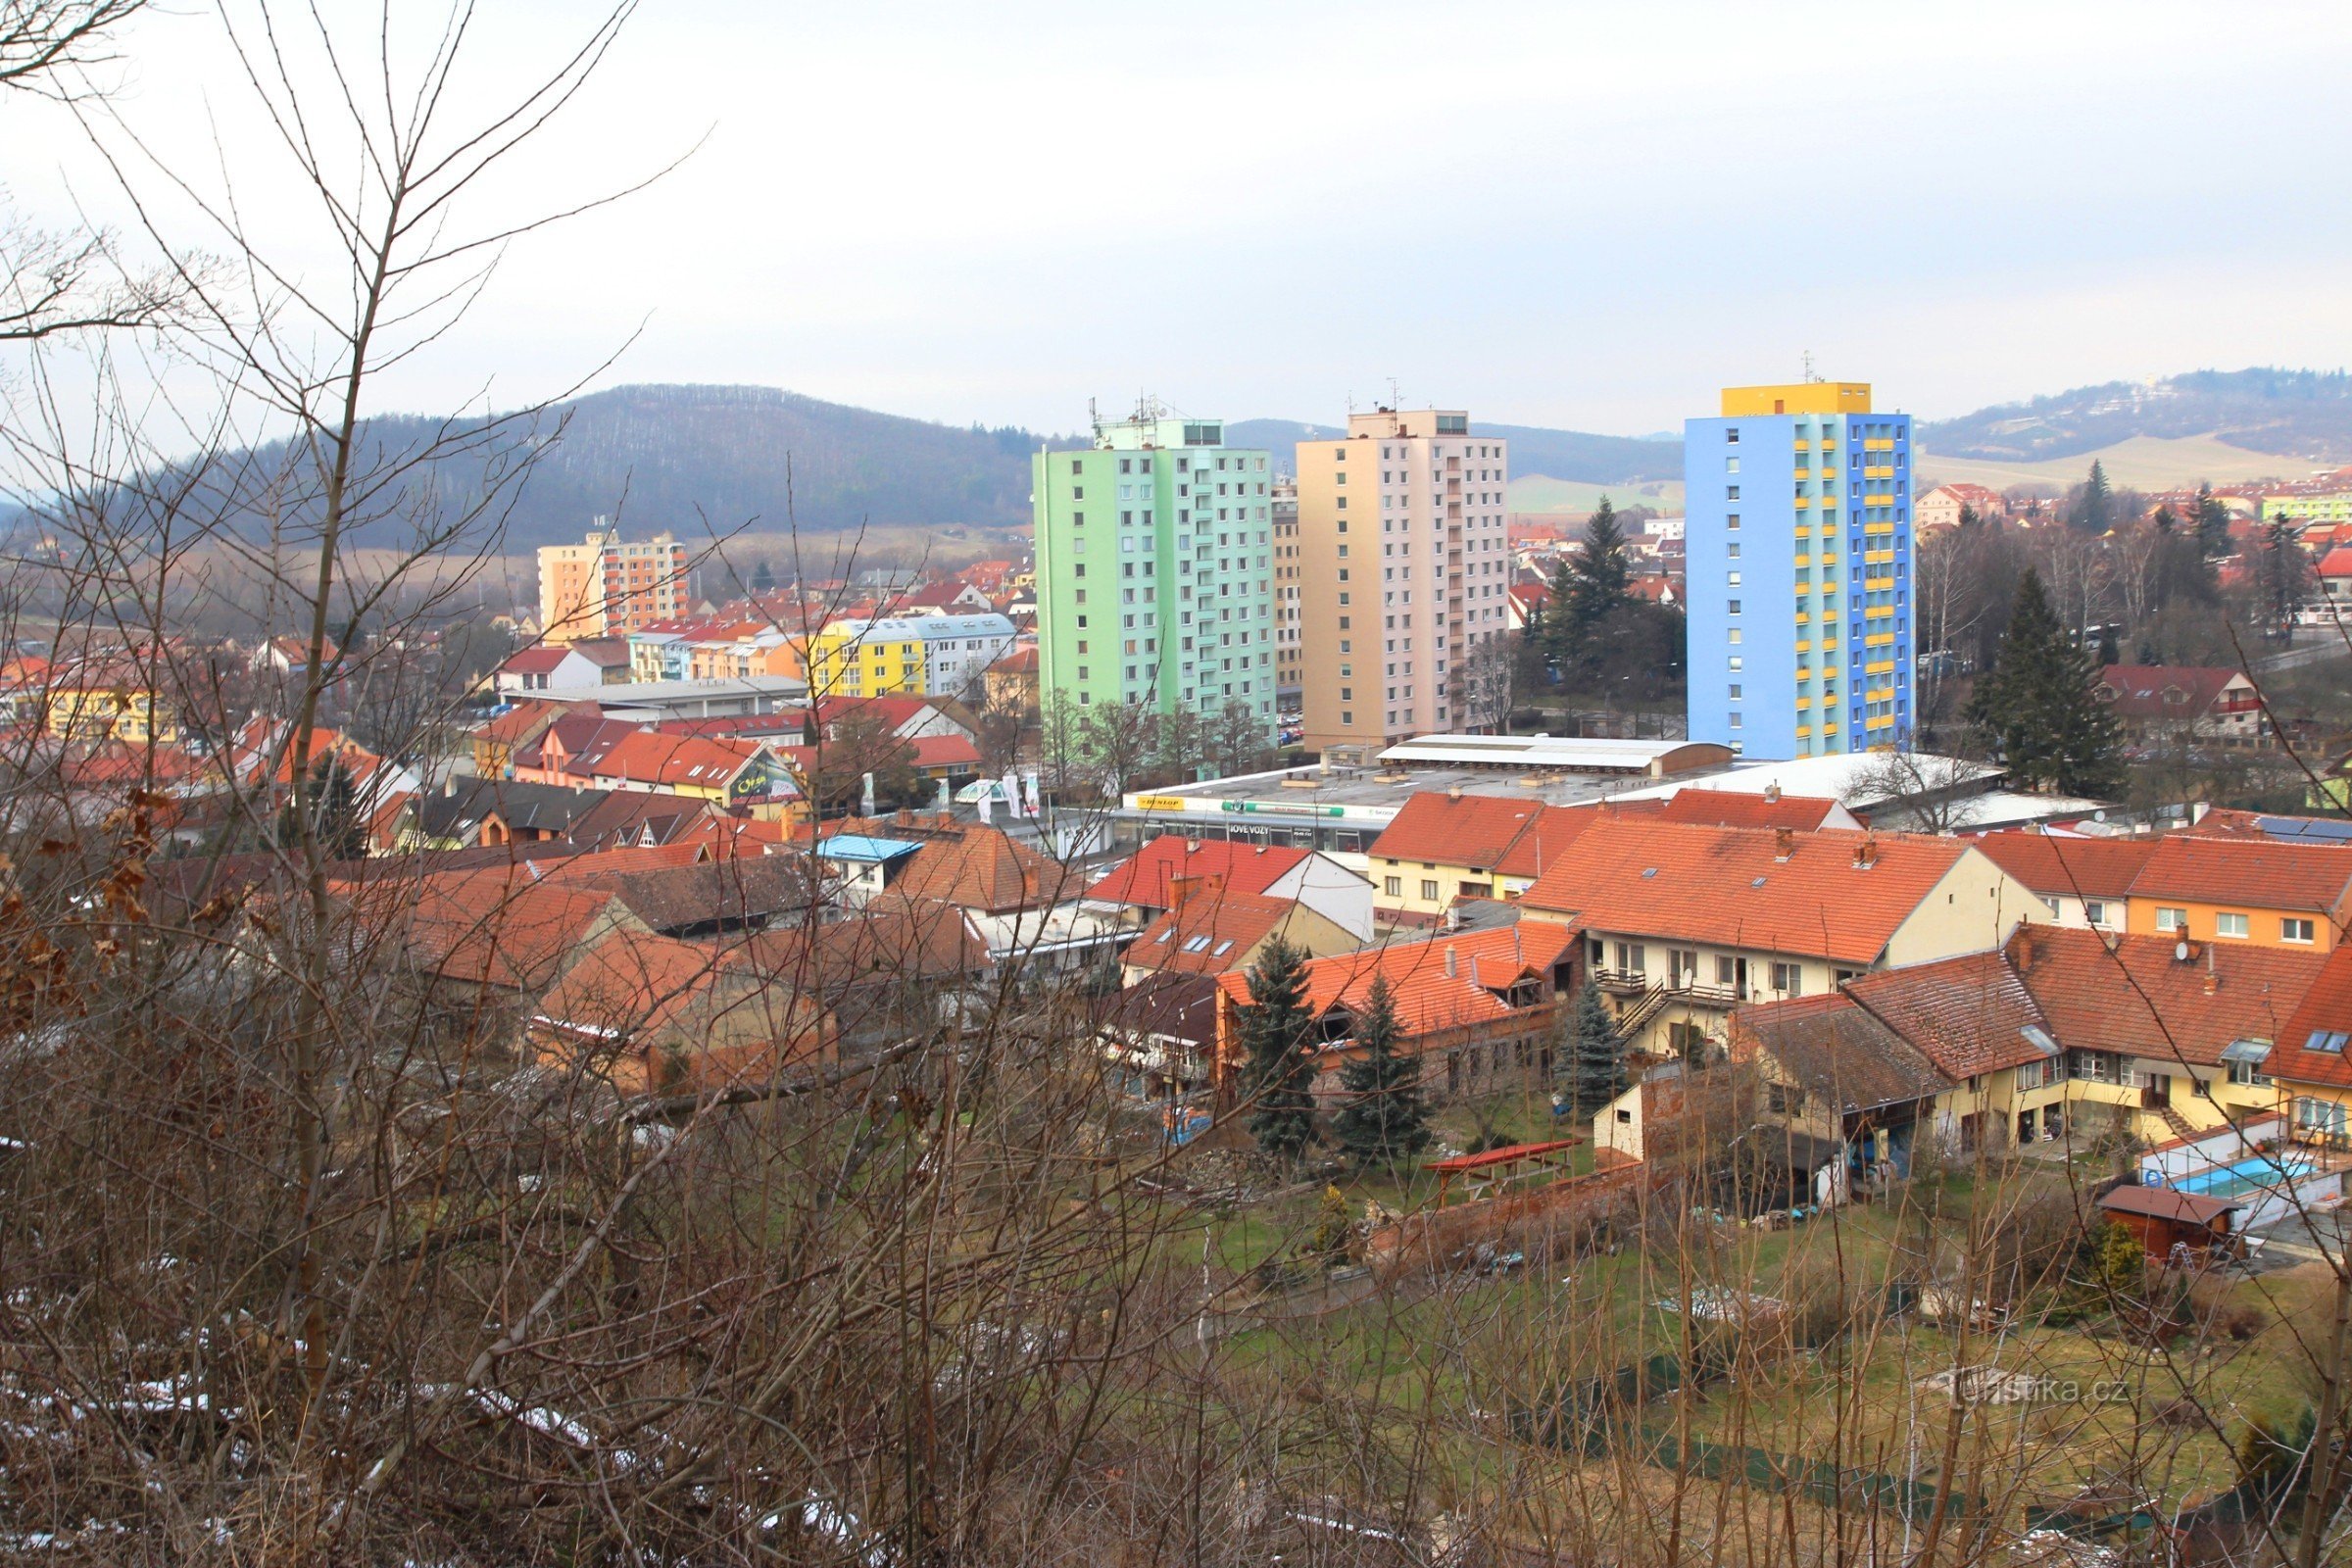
<point x="2140" y="998"/>
<point x="1148" y="878"/>
<point x="1427" y="998"/>
<point x="540" y="660"/>
<point x="626" y="982"/>
<point x="2238" y="871"/>
<point x="1738" y="808"/>
<point x="2326" y="1009"/>
<point x="983" y="868"/>
<point x="1555" y="827"/>
<point x="2163" y="690"/>
<point x="1451" y="828"/>
<point x="671" y="762"/>
<point x="1728" y="887"/>
<point x="1211" y="934"/>
<point x="2068" y="867"/>
<point x="1966" y="1014"/>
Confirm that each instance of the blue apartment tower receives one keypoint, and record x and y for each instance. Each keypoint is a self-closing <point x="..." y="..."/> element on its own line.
<point x="1798" y="541"/>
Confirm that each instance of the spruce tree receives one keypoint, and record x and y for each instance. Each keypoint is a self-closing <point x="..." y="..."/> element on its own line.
<point x="2094" y="510"/>
<point x="2038" y="706"/>
<point x="1596" y="1057"/>
<point x="2213" y="522"/>
<point x="1596" y="588"/>
<point x="1278" y="1074"/>
<point x="1384" y="1120"/>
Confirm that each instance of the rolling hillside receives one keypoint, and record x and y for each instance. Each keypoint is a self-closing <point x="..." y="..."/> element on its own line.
<point x="716" y="459"/>
<point x="2301" y="415"/>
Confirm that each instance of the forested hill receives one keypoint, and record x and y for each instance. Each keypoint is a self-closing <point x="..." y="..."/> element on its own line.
<point x="1560" y="454"/>
<point x="2304" y="415"/>
<point x="664" y="456"/>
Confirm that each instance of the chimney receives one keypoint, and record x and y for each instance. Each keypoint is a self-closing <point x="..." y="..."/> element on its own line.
<point x="1454" y="793"/>
<point x="2213" y="975"/>
<point x="1474" y="980"/>
<point x="1772" y="794"/>
<point x="1783" y="844"/>
<point x="2020" y="949"/>
<point x="1866" y="853"/>
<point x="1449" y="972"/>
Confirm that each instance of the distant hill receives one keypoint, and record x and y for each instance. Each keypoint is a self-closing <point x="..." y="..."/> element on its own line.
<point x="2302" y="415"/>
<point x="1602" y="460"/>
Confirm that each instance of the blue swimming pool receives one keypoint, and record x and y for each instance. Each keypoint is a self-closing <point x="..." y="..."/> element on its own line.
<point x="2245" y="1175"/>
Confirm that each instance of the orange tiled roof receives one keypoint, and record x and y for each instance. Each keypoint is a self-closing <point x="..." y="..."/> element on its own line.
<point x="1209" y="935"/>
<point x="2068" y="867"/>
<point x="1446" y="828"/>
<point x="1738" y="808"/>
<point x="2326" y="1009"/>
<point x="624" y="982"/>
<point x="2142" y="999"/>
<point x="667" y="762"/>
<point x="2263" y="875"/>
<point x="1555" y="827"/>
<point x="982" y="868"/>
<point x="1965" y="1014"/>
<point x="1726" y="887"/>
<point x="1427" y="998"/>
<point x="1149" y="876"/>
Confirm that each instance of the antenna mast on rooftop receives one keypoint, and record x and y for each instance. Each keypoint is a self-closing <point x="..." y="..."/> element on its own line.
<point x="1810" y="374"/>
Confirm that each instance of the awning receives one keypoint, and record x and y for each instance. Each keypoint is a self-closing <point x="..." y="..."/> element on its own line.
<point x="2253" y="1053"/>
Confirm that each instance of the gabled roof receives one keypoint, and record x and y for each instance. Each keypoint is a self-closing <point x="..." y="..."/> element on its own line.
<point x="2323" y="1017"/>
<point x="604" y="652"/>
<point x="2164" y="1203"/>
<point x="2163" y="690"/>
<point x="1555" y="828"/>
<point x="1729" y="887"/>
<point x="2134" y="995"/>
<point x="983" y="868"/>
<point x="1181" y="1006"/>
<point x="1453" y="828"/>
<point x="1427" y="998"/>
<point x="1834" y="1049"/>
<point x="1210" y="934"/>
<point x="1726" y="809"/>
<point x="1148" y="878"/>
<point x="2337" y="563"/>
<point x="540" y="660"/>
<point x="626" y="982"/>
<point x="522" y="722"/>
<point x="673" y="761"/>
<point x="1967" y="1015"/>
<point x="493" y="927"/>
<point x="2068" y="867"/>
<point x="2258" y="875"/>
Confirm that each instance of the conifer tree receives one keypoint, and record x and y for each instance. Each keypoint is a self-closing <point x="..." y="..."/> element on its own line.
<point x="1594" y="1064"/>
<point x="2094" y="510"/>
<point x="1596" y="585"/>
<point x="2038" y="706"/>
<point x="1384" y="1120"/>
<point x="1278" y="1074"/>
<point x="2213" y="522"/>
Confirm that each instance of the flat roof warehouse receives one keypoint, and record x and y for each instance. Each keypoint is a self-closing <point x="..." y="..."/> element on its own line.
<point x="1341" y="804"/>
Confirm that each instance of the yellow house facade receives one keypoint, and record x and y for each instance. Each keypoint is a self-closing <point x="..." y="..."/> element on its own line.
<point x="866" y="659"/>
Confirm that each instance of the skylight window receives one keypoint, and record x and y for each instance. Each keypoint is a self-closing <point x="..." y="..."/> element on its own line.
<point x="1197" y="945"/>
<point x="1223" y="948"/>
<point x="2331" y="1040"/>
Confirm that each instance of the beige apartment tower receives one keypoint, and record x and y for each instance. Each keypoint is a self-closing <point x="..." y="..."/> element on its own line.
<point x="1404" y="563"/>
<point x="607" y="587"/>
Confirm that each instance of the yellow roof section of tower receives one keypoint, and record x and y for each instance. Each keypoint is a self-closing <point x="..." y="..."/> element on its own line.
<point x="1797" y="396"/>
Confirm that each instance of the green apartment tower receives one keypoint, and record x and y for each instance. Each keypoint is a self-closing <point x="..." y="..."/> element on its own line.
<point x="1155" y="570"/>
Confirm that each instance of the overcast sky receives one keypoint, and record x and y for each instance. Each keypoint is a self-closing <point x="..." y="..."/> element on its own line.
<point x="1588" y="215"/>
